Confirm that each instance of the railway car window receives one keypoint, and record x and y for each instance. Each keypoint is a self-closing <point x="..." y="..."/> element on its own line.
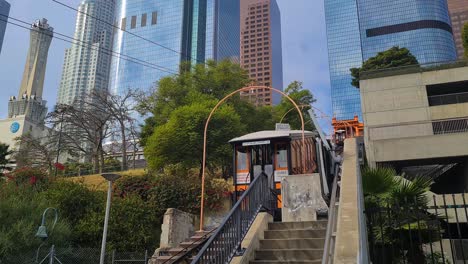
<point x="242" y="159"/>
<point x="282" y="156"/>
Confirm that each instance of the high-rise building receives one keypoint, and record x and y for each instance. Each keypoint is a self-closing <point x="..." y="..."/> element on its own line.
<point x="87" y="61"/>
<point x="26" y="113"/>
<point x="459" y="14"/>
<point x="4" y="13"/>
<point x="261" y="52"/>
<point x="344" y="53"/>
<point x="359" y="29"/>
<point x="162" y="34"/>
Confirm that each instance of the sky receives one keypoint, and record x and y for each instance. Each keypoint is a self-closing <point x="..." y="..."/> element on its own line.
<point x="304" y="49"/>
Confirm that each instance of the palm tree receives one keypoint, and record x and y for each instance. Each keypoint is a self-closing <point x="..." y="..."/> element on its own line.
<point x="4" y="158"/>
<point x="396" y="207"/>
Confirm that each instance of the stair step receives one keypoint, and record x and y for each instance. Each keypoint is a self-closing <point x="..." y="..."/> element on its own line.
<point x="289" y="254"/>
<point x="298" y="225"/>
<point x="298" y="243"/>
<point x="285" y="261"/>
<point x="190" y="244"/>
<point x="166" y="259"/>
<point x="177" y="251"/>
<point x="297" y="233"/>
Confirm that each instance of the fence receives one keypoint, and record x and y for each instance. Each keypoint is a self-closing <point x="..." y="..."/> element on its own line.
<point x="416" y="232"/>
<point x="75" y="256"/>
<point x="225" y="242"/>
<point x="456" y="98"/>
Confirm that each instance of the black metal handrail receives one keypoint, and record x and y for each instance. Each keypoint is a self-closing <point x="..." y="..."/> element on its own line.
<point x="222" y="245"/>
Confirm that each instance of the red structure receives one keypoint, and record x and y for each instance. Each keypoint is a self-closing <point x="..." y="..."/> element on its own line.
<point x="347" y="129"/>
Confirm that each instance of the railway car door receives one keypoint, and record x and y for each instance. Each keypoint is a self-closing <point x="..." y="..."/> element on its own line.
<point x="281" y="167"/>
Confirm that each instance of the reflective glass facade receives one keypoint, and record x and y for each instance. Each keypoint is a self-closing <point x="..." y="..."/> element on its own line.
<point x="193" y="30"/>
<point x="359" y="29"/>
<point x="423" y="27"/>
<point x="344" y="52"/>
<point x="4" y="11"/>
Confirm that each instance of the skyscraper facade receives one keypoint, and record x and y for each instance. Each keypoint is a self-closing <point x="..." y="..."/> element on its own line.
<point x="87" y="61"/>
<point x="459" y="14"/>
<point x="344" y="53"/>
<point x="261" y="48"/>
<point x="359" y="29"/>
<point x="4" y="13"/>
<point x="159" y="35"/>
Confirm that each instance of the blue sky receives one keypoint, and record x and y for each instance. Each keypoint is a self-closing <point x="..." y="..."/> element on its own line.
<point x="304" y="48"/>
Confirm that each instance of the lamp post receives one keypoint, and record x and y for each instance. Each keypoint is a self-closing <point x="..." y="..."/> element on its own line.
<point x="42" y="233"/>
<point x="111" y="178"/>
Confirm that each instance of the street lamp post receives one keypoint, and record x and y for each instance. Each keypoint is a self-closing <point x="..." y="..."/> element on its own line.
<point x="111" y="178"/>
<point x="42" y="233"/>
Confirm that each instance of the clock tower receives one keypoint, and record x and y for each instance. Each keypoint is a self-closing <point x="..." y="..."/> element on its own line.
<point x="27" y="112"/>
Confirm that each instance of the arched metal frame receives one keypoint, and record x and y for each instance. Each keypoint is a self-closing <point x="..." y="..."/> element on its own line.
<point x="248" y="88"/>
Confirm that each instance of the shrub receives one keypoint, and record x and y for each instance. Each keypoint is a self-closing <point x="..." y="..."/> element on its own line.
<point x="184" y="193"/>
<point x="21" y="209"/>
<point x="29" y="176"/>
<point x="134" y="186"/>
<point x="73" y="200"/>
<point x="133" y="225"/>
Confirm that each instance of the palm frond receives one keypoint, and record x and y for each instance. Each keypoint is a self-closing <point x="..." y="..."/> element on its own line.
<point x="378" y="181"/>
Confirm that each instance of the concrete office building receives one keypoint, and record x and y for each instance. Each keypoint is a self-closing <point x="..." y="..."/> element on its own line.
<point x="87" y="61"/>
<point x="261" y="52"/>
<point x="416" y="118"/>
<point x="459" y="14"/>
<point x="359" y="29"/>
<point x="26" y="113"/>
<point x="174" y="31"/>
<point x="4" y="13"/>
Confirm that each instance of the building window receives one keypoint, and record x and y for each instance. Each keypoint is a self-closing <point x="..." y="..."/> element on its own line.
<point x="154" y="18"/>
<point x="143" y="20"/>
<point x="133" y="22"/>
<point x="124" y="23"/>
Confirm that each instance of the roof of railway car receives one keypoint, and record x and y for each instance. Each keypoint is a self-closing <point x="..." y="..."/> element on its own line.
<point x="269" y="134"/>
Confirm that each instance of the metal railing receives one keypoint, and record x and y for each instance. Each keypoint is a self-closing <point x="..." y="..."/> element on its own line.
<point x="450" y="126"/>
<point x="330" y="237"/>
<point x="226" y="241"/>
<point x="412" y="232"/>
<point x="419" y="128"/>
<point x="455" y="98"/>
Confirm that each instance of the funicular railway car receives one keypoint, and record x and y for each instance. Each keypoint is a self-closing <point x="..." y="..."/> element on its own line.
<point x="278" y="153"/>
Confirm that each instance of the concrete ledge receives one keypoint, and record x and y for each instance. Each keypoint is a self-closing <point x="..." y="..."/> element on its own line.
<point x="251" y="241"/>
<point x="347" y="233"/>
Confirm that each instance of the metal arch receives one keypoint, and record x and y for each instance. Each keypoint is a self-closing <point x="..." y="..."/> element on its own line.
<point x="206" y="129"/>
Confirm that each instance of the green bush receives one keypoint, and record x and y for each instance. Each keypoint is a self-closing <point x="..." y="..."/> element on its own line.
<point x="21" y="209"/>
<point x="184" y="193"/>
<point x="35" y="177"/>
<point x="74" y="200"/>
<point x="134" y="225"/>
<point x="140" y="186"/>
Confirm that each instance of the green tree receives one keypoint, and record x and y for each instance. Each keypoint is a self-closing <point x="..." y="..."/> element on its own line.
<point x="391" y="58"/>
<point x="5" y="153"/>
<point x="286" y="112"/>
<point x="465" y="40"/>
<point x="180" y="140"/>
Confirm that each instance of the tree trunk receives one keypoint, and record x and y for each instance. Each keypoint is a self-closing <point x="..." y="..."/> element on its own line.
<point x="124" y="146"/>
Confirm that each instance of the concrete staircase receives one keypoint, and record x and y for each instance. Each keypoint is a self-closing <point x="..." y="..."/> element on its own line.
<point x="170" y="255"/>
<point x="292" y="242"/>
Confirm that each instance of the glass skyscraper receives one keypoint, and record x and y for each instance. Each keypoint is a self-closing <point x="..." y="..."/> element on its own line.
<point x="359" y="29"/>
<point x="162" y="34"/>
<point x="4" y="12"/>
<point x="344" y="53"/>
